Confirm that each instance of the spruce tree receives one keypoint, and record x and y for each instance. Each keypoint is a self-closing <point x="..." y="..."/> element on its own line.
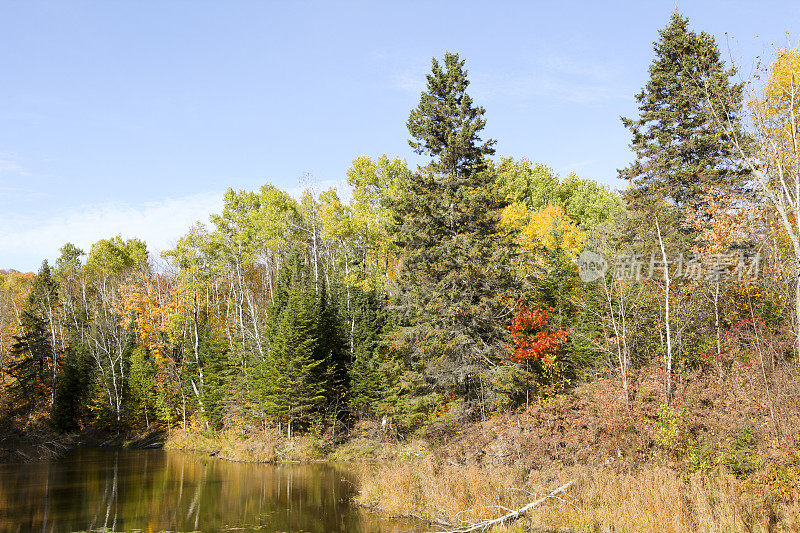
<point x="29" y="354"/>
<point x="219" y="370"/>
<point x="679" y="148"/>
<point x="367" y="383"/>
<point x="294" y="387"/>
<point x="331" y="346"/>
<point x="446" y="221"/>
<point x="73" y="389"/>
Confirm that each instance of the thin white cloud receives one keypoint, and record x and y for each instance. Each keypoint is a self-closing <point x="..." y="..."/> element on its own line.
<point x="551" y="77"/>
<point x="25" y="241"/>
<point x="410" y="82"/>
<point x="9" y="166"/>
<point x="557" y="78"/>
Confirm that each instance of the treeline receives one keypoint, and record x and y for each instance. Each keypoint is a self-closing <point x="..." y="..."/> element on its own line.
<point x="443" y="293"/>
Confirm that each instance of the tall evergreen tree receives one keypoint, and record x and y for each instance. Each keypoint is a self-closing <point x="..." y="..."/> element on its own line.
<point x="33" y="353"/>
<point x="219" y="370"/>
<point x="367" y="383"/>
<point x="332" y="348"/>
<point x="73" y="388"/>
<point x="449" y="280"/>
<point x="293" y="378"/>
<point x="29" y="353"/>
<point x="679" y="149"/>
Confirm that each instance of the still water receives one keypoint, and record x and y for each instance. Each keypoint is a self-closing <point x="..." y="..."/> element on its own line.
<point x="157" y="490"/>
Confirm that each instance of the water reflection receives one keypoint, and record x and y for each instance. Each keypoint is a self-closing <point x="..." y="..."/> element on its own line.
<point x="154" y="490"/>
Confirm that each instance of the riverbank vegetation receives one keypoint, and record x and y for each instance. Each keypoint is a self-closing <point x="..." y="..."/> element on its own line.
<point x="440" y="309"/>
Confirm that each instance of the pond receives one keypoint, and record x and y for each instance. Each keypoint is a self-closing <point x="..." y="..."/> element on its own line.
<point x="158" y="490"/>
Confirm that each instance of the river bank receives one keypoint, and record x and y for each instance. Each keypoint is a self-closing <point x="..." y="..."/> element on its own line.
<point x="719" y="458"/>
<point x="35" y="443"/>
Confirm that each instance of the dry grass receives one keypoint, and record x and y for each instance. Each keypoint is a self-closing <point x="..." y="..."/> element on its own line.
<point x="651" y="499"/>
<point x="257" y="447"/>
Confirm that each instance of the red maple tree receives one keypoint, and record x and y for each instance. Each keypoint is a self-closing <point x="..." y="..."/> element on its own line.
<point x="533" y="342"/>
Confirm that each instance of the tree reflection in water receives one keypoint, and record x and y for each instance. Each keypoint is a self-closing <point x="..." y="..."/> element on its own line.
<point x="154" y="490"/>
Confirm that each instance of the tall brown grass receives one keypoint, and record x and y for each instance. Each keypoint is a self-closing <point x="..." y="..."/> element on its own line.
<point x="649" y="499"/>
<point x="262" y="447"/>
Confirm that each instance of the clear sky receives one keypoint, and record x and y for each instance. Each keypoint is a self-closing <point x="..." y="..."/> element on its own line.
<point x="134" y="117"/>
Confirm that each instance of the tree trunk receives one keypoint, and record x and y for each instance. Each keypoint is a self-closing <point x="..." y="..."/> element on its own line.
<point x="668" y="365"/>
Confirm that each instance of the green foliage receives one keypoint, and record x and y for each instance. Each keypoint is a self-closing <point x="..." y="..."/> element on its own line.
<point x="536" y="186"/>
<point x="446" y="125"/>
<point x="699" y="456"/>
<point x="142" y="396"/>
<point x="396" y="303"/>
<point x="679" y="149"/>
<point x="69" y="259"/>
<point x="447" y="222"/>
<point x="29" y="354"/>
<point x="292" y="384"/>
<point x="72" y="393"/>
<point x="331" y="346"/>
<point x="363" y="228"/>
<point x="218" y="372"/>
<point x="670" y="438"/>
<point x="114" y="256"/>
<point x="743" y="458"/>
<point x="368" y="379"/>
<point x="308" y="361"/>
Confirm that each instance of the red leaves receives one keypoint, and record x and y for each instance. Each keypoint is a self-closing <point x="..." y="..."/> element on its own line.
<point x="531" y="341"/>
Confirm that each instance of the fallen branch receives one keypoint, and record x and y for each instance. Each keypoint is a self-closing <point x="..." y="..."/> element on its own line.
<point x="510" y="517"/>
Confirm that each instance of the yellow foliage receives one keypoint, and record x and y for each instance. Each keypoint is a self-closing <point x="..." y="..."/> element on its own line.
<point x="514" y="217"/>
<point x="551" y="228"/>
<point x="547" y="230"/>
<point x="776" y="114"/>
<point x="151" y="305"/>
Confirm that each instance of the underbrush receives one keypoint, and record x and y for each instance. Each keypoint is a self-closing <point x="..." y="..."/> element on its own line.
<point x="651" y="498"/>
<point x="260" y="447"/>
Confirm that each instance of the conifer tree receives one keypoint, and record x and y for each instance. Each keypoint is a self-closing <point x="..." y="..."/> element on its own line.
<point x="219" y="370"/>
<point x="73" y="388"/>
<point x="449" y="278"/>
<point x="33" y="352"/>
<point x="29" y="354"/>
<point x="679" y="148"/>
<point x="293" y="387"/>
<point x="367" y="383"/>
<point x="331" y="348"/>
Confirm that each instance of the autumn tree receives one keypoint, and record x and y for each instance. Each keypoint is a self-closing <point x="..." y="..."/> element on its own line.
<point x="535" y="186"/>
<point x="771" y="146"/>
<point x="363" y="227"/>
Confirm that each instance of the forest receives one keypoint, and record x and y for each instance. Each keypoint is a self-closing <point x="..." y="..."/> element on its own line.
<point x="449" y="293"/>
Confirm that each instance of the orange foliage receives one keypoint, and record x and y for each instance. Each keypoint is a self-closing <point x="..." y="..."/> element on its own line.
<point x="532" y="342"/>
<point x="150" y="304"/>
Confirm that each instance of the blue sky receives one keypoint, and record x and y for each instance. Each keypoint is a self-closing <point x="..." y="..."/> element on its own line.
<point x="134" y="117"/>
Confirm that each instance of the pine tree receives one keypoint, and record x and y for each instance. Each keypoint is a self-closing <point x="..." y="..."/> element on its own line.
<point x="332" y="348"/>
<point x="293" y="388"/>
<point x="219" y="370"/>
<point x="141" y="398"/>
<point x="447" y="219"/>
<point x="446" y="124"/>
<point x="679" y="149"/>
<point x="73" y="389"/>
<point x="367" y="383"/>
<point x="29" y="354"/>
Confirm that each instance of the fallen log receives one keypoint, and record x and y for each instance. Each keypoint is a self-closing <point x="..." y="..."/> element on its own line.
<point x="510" y="517"/>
